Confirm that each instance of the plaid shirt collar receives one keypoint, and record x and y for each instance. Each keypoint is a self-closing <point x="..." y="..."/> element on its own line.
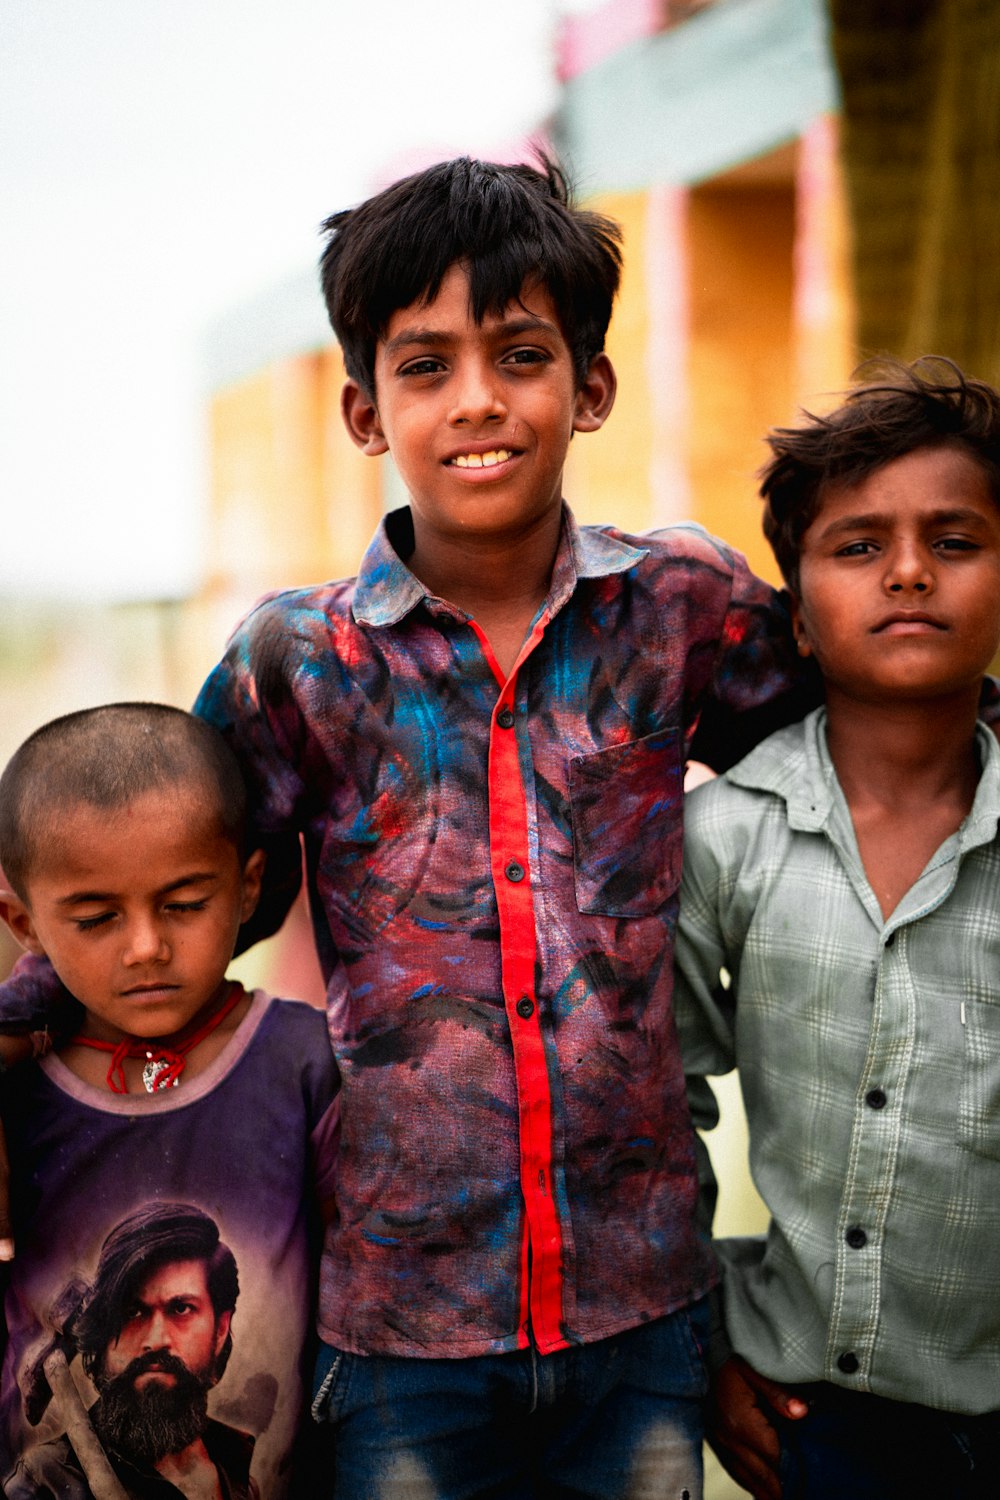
<point x="812" y="798"/>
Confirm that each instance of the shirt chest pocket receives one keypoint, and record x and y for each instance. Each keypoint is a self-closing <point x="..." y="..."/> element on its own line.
<point x="979" y="1100"/>
<point x="626" y="807"/>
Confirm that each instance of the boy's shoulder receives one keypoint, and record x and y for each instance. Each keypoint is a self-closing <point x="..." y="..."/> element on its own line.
<point x="297" y="1027"/>
<point x="314" y="601"/>
<point x="297" y="1017"/>
<point x="783" y="777"/>
<point x="681" y="541"/>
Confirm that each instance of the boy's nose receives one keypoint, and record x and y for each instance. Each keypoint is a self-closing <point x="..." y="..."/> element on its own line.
<point x="909" y="569"/>
<point x="477" y="399"/>
<point x="146" y="943"/>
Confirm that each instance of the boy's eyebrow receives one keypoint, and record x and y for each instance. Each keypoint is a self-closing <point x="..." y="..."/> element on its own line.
<point x="872" y="520"/>
<point x="435" y="338"/>
<point x="80" y="898"/>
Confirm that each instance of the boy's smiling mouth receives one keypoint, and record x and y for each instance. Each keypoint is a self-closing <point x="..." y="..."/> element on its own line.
<point x="488" y="460"/>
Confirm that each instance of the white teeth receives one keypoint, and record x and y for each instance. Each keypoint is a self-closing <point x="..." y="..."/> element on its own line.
<point x="482" y="460"/>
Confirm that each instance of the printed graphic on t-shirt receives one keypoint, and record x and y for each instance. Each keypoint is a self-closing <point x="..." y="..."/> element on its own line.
<point x="160" y="1303"/>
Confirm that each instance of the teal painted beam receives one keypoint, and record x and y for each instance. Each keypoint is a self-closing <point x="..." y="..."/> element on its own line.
<point x="730" y="84"/>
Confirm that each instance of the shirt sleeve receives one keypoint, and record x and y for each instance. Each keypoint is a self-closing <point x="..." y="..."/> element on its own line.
<point x="759" y="682"/>
<point x="705" y="1010"/>
<point x="324" y="1143"/>
<point x="323" y="1106"/>
<point x="249" y="697"/>
<point x="33" y="997"/>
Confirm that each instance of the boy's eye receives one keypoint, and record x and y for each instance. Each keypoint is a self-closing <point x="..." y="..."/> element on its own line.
<point x="957" y="544"/>
<point x="187" y="905"/>
<point x="526" y="357"/>
<point x="87" y="924"/>
<point x="428" y="365"/>
<point x="856" y="549"/>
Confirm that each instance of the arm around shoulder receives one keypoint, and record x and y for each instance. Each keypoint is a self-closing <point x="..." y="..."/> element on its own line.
<point x="759" y="681"/>
<point x="251" y="698"/>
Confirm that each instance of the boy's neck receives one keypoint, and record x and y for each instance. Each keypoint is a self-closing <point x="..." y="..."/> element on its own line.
<point x="908" y="771"/>
<point x="198" y="1052"/>
<point x="499" y="582"/>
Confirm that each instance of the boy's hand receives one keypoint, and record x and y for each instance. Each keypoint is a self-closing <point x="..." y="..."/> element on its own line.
<point x="739" y="1427"/>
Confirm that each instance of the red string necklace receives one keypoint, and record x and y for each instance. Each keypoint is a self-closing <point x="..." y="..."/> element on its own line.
<point x="163" y="1065"/>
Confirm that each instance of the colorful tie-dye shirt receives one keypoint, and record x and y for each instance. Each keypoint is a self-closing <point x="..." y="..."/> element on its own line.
<point x="493" y="870"/>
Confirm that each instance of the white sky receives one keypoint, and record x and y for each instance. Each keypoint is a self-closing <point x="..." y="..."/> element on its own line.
<point x="160" y="161"/>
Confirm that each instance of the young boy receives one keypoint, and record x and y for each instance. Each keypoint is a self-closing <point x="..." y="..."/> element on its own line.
<point x="481" y="741"/>
<point x="845" y="875"/>
<point x="165" y="1156"/>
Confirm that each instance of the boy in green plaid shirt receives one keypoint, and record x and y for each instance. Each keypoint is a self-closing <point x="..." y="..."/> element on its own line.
<point x="839" y="942"/>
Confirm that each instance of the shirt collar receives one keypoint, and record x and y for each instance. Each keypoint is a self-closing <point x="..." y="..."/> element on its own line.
<point x="386" y="590"/>
<point x="795" y="765"/>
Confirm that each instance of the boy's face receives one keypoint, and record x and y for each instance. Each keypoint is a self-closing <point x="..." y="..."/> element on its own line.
<point x="138" y="910"/>
<point x="899" y="585"/>
<point x="478" y="417"/>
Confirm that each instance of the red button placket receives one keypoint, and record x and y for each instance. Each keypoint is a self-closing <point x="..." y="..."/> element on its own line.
<point x="510" y="862"/>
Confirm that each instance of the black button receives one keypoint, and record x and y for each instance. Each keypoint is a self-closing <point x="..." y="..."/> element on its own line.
<point x="856" y="1237"/>
<point x="847" y="1363"/>
<point x="514" y="871"/>
<point x="525" y="1008"/>
<point x="505" y="718"/>
<point x="875" y="1099"/>
<point x="890" y="940"/>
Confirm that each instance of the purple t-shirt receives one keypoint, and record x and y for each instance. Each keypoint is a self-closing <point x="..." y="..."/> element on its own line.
<point x="251" y="1142"/>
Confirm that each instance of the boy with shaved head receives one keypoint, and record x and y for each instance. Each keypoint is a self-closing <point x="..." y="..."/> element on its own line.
<point x="175" y="1106"/>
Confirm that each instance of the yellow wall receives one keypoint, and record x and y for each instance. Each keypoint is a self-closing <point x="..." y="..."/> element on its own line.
<point x="735" y="308"/>
<point x="292" y="499"/>
<point x="740" y="356"/>
<point x="607" y="472"/>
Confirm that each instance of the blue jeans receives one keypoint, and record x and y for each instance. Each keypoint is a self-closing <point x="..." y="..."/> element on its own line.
<point x="868" y="1448"/>
<point x="617" y="1420"/>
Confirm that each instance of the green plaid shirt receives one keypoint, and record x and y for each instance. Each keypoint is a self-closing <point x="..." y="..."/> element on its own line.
<point x="869" y="1057"/>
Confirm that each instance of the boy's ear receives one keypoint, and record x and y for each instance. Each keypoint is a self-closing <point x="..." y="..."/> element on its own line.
<point x="596" y="396"/>
<point x="360" y="416"/>
<point x="19" y="920"/>
<point x="799" y="631"/>
<point x="253" y="874"/>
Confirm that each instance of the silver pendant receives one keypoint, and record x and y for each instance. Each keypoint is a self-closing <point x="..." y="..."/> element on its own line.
<point x="152" y="1070"/>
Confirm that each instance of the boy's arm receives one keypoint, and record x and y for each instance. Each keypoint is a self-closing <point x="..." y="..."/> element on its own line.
<point x="250" y="698"/>
<point x="758" y="680"/>
<point x="740" y="1401"/>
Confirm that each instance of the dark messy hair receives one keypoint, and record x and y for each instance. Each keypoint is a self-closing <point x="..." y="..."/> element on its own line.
<point x="901" y="407"/>
<point x="154" y="1236"/>
<point x="507" y="225"/>
<point x="106" y="757"/>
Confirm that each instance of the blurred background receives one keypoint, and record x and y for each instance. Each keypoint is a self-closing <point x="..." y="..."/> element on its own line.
<point x="802" y="183"/>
